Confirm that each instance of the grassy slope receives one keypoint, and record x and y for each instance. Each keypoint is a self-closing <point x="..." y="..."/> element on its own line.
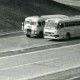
<point x="13" y="12"/>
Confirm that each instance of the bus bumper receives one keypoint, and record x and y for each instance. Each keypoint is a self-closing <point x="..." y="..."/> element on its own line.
<point x="54" y="37"/>
<point x="32" y="33"/>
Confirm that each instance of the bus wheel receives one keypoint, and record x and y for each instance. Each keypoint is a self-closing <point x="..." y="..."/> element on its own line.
<point x="27" y="35"/>
<point x="41" y="34"/>
<point x="67" y="37"/>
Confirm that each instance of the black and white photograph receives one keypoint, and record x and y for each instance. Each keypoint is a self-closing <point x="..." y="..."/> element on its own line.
<point x="39" y="39"/>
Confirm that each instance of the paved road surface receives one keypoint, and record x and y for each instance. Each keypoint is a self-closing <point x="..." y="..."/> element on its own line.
<point x="13" y="43"/>
<point x="47" y="57"/>
<point x="52" y="62"/>
<point x="21" y="42"/>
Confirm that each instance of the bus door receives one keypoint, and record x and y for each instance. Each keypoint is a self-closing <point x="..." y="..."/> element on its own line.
<point x="61" y="29"/>
<point x="41" y="25"/>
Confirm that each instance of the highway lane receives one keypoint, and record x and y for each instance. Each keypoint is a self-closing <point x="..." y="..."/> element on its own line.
<point x="56" y="63"/>
<point x="20" y="44"/>
<point x="12" y="43"/>
<point x="29" y="58"/>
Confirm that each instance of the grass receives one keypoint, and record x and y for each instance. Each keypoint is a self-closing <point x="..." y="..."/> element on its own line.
<point x="13" y="12"/>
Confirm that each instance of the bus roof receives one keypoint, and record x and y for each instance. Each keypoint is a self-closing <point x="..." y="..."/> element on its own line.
<point x="66" y="19"/>
<point x="44" y="17"/>
<point x="32" y="18"/>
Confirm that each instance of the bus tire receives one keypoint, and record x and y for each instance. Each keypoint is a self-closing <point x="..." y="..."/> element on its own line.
<point x="27" y="35"/>
<point x="41" y="34"/>
<point x="67" y="37"/>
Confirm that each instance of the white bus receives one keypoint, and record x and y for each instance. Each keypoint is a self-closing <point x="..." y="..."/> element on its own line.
<point x="34" y="25"/>
<point x="64" y="28"/>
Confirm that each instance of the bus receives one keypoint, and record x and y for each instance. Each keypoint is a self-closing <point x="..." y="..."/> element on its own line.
<point x="34" y="25"/>
<point x="62" y="28"/>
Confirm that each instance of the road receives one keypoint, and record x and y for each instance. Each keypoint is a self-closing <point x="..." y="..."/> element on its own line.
<point x="35" y="65"/>
<point x="21" y="42"/>
<point x="55" y="60"/>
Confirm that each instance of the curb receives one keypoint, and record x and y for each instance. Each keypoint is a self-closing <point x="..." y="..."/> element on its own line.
<point x="11" y="33"/>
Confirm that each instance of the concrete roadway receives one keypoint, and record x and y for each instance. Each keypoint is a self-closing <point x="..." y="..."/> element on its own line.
<point x="60" y="63"/>
<point x="22" y="42"/>
<point x="56" y="63"/>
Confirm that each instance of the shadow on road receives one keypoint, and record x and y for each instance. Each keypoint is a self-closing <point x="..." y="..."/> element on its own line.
<point x="63" y="40"/>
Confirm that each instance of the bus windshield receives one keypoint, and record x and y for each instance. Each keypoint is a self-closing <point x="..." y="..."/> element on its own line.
<point x="30" y="22"/>
<point x="51" y="24"/>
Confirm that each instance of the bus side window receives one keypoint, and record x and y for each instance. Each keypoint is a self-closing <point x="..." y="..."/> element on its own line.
<point x="39" y="23"/>
<point x="66" y="24"/>
<point x="60" y="25"/>
<point x="71" y="24"/>
<point x="77" y="23"/>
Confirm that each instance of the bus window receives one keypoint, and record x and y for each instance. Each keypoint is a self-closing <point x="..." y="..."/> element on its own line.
<point x="33" y="23"/>
<point x="26" y="22"/>
<point x="77" y="23"/>
<point x="66" y="24"/>
<point x="39" y="23"/>
<point x="61" y="25"/>
<point x="71" y="24"/>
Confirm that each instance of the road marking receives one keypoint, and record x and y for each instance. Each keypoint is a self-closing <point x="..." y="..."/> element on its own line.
<point x="53" y="72"/>
<point x="39" y="51"/>
<point x="29" y="64"/>
<point x="74" y="78"/>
